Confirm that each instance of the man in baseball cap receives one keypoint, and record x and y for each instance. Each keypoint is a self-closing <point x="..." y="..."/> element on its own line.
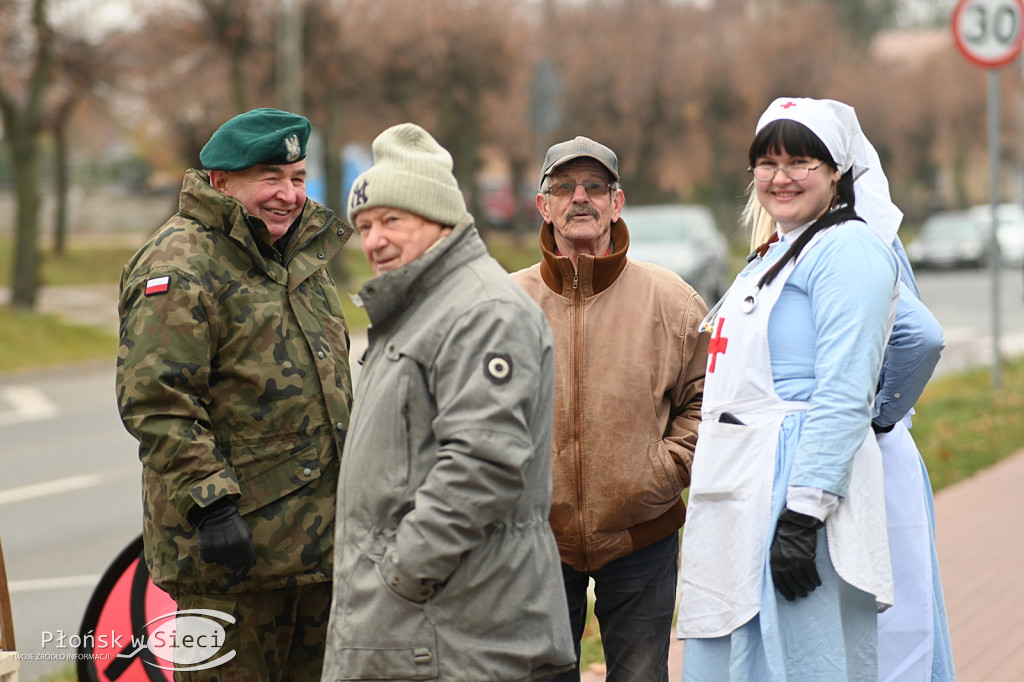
<point x="579" y="146"/>
<point x="623" y="438"/>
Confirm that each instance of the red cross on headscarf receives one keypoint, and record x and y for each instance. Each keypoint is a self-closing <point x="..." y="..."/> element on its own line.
<point x="716" y="345"/>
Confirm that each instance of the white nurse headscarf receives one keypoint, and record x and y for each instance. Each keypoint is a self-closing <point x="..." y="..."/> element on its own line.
<point x="836" y="125"/>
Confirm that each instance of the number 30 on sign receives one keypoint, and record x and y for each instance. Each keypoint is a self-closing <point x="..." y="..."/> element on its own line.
<point x="988" y="32"/>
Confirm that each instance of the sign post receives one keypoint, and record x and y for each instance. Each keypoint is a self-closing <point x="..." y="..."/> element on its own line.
<point x="988" y="33"/>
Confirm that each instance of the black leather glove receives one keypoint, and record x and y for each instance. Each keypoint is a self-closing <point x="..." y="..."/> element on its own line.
<point x="792" y="554"/>
<point x="224" y="537"/>
<point x="881" y="429"/>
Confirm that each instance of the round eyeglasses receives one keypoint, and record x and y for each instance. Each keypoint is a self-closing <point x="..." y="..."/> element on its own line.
<point x="766" y="172"/>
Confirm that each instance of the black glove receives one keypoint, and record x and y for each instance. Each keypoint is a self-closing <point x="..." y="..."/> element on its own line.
<point x="224" y="537"/>
<point x="881" y="429"/>
<point x="792" y="554"/>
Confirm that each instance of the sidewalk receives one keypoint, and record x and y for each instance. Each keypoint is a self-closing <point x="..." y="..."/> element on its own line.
<point x="980" y="540"/>
<point x="92" y="304"/>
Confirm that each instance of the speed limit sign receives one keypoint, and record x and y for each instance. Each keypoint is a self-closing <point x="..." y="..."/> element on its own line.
<point x="988" y="32"/>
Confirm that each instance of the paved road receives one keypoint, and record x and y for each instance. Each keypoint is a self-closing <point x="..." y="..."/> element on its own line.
<point x="961" y="301"/>
<point x="69" y="498"/>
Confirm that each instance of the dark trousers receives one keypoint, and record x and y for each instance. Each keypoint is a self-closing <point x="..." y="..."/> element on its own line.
<point x="635" y="599"/>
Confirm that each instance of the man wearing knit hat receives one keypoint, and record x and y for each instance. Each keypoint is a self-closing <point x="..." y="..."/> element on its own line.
<point x="233" y="375"/>
<point x="631" y="375"/>
<point x="445" y="565"/>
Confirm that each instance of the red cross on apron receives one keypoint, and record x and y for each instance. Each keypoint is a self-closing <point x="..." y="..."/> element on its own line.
<point x="716" y="345"/>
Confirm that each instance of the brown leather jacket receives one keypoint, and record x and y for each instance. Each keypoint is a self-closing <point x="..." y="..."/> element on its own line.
<point x="629" y="368"/>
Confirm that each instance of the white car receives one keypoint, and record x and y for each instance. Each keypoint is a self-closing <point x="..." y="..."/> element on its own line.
<point x="682" y="238"/>
<point x="950" y="239"/>
<point x="1010" y="232"/>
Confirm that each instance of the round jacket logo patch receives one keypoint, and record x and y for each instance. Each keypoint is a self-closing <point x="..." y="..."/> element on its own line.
<point x="498" y="367"/>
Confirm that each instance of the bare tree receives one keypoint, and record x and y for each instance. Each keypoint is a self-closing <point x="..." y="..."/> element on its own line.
<point x="78" y="68"/>
<point x="23" y="83"/>
<point x="389" y="61"/>
<point x="191" y="65"/>
<point x="675" y="88"/>
<point x="229" y="29"/>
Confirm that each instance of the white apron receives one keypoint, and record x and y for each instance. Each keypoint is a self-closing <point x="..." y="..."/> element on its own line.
<point x="906" y="634"/>
<point x="729" y="517"/>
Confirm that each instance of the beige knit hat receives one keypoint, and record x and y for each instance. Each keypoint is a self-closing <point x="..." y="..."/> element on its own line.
<point x="410" y="171"/>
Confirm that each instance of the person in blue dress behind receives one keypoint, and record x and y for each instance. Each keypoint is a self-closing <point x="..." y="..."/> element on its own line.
<point x="785" y="559"/>
<point x="913" y="636"/>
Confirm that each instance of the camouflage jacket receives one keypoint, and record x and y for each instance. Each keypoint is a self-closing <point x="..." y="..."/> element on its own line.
<point x="233" y="374"/>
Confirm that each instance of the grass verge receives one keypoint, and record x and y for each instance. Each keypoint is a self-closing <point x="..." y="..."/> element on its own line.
<point x="81" y="263"/>
<point x="963" y="425"/>
<point x="66" y="674"/>
<point x="34" y="340"/>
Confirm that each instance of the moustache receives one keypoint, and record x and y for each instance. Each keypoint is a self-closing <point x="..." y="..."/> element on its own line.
<point x="582" y="209"/>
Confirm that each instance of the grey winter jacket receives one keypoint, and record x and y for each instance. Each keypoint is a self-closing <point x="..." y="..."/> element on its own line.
<point x="446" y="566"/>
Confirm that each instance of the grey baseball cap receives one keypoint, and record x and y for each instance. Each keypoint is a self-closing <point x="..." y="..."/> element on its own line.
<point x="563" y="152"/>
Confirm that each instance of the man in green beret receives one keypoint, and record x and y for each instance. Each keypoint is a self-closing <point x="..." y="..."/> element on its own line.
<point x="233" y="375"/>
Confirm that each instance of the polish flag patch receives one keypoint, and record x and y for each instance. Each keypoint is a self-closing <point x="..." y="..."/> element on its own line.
<point x="158" y="285"/>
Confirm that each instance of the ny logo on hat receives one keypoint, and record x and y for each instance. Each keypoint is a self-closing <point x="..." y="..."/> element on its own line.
<point x="291" y="143"/>
<point x="359" y="194"/>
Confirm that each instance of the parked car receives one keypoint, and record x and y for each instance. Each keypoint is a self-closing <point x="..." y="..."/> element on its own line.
<point x="497" y="200"/>
<point x="1010" y="232"/>
<point x="682" y="238"/>
<point x="950" y="239"/>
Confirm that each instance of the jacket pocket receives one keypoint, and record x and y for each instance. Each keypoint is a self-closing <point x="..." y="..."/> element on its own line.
<point x="330" y="294"/>
<point x="384" y="636"/>
<point x="666" y="483"/>
<point x="278" y="480"/>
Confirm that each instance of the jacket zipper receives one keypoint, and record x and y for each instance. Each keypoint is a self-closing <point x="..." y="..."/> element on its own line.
<point x="312" y="238"/>
<point x="577" y="380"/>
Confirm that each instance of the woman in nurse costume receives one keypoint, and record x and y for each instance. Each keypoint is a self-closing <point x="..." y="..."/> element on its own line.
<point x="913" y="636"/>
<point x="785" y="559"/>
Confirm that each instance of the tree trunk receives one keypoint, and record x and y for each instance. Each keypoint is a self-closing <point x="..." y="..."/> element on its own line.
<point x="25" y="156"/>
<point x="22" y="131"/>
<point x="62" y="185"/>
<point x="333" y="137"/>
<point x="333" y="176"/>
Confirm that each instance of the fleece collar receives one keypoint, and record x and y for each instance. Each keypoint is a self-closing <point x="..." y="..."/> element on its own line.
<point x="595" y="273"/>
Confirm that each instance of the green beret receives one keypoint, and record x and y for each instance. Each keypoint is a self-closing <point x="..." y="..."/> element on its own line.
<point x="259" y="136"/>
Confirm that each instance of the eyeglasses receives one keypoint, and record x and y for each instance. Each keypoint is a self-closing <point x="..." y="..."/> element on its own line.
<point x="593" y="188"/>
<point x="766" y="172"/>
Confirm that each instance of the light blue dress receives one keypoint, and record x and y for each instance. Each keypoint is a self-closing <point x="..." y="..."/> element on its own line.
<point x="826" y="339"/>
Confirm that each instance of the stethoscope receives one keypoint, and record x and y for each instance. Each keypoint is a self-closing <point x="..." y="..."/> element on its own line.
<point x="747" y="305"/>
